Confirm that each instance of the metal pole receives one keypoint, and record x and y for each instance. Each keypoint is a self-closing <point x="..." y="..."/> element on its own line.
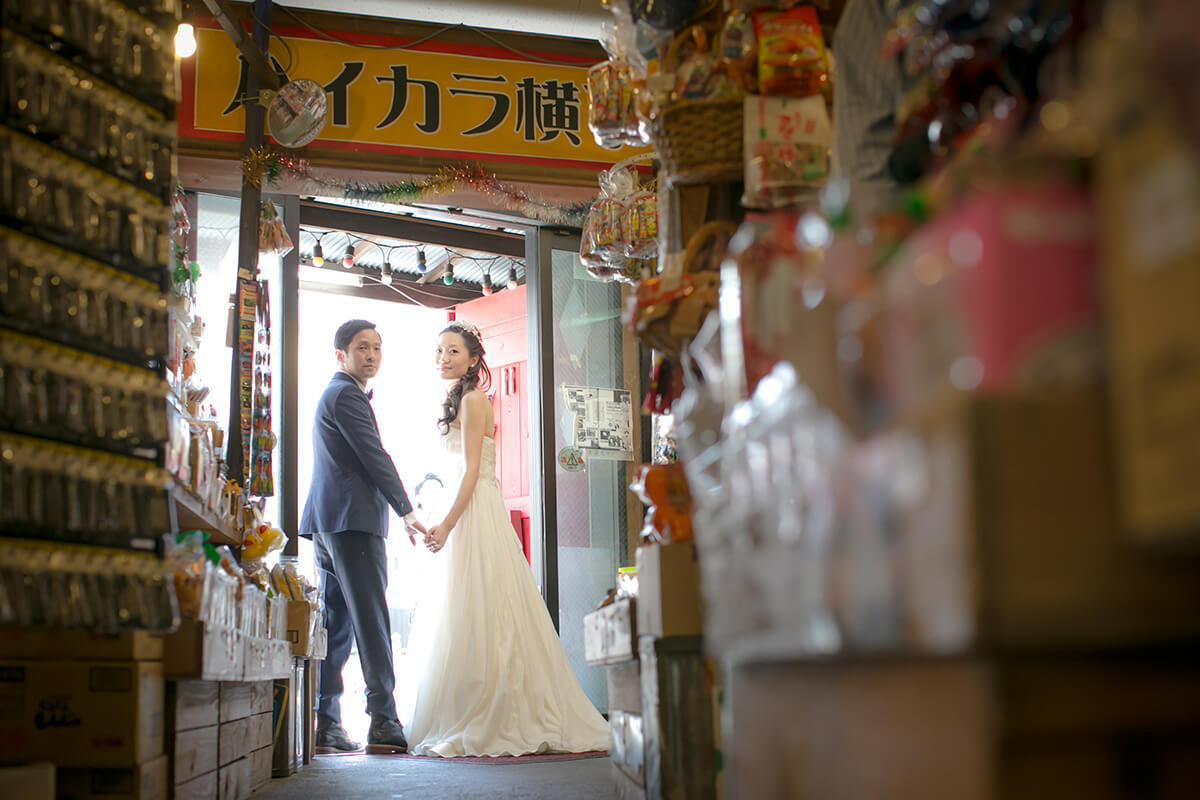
<point x="289" y="380"/>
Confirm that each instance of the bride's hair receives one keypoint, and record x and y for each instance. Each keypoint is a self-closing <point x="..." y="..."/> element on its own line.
<point x="476" y="377"/>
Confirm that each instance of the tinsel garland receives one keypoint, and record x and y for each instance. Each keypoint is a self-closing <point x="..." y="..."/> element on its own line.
<point x="265" y="166"/>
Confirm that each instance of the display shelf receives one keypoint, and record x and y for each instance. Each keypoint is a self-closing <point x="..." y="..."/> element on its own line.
<point x="191" y="515"/>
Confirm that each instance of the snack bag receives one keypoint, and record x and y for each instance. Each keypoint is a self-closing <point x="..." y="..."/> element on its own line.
<point x="791" y="52"/>
<point x="737" y="50"/>
<point x="787" y="144"/>
<point x="664" y="490"/>
<point x="641" y="225"/>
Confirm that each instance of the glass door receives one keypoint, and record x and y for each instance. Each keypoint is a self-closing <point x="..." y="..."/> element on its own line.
<point x="585" y="438"/>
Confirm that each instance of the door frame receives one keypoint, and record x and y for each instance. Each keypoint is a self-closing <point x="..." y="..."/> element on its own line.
<point x="543" y="484"/>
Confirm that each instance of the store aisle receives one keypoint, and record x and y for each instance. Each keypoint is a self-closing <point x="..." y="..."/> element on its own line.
<point x="369" y="777"/>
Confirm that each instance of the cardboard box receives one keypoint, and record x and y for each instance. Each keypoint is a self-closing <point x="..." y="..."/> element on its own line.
<point x="677" y="719"/>
<point x="82" y="713"/>
<point x="233" y="781"/>
<point x="202" y="651"/>
<point x="260" y="768"/>
<point x="203" y="787"/>
<point x="985" y="521"/>
<point x="194" y="753"/>
<point x="625" y="687"/>
<point x="145" y="782"/>
<point x="669" y="591"/>
<point x="28" y="782"/>
<point x="266" y="658"/>
<point x="1148" y="184"/>
<point x="233" y="741"/>
<point x="302" y="624"/>
<point x="610" y="633"/>
<point x="321" y="645"/>
<point x="236" y="699"/>
<point x="261" y="697"/>
<point x="192" y="704"/>
<point x="65" y="645"/>
<point x="627" y="747"/>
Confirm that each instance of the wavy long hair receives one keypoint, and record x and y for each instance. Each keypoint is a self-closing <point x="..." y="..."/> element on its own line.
<point x="476" y="377"/>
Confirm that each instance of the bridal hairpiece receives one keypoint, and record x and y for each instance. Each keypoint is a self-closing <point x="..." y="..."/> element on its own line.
<point x="463" y="326"/>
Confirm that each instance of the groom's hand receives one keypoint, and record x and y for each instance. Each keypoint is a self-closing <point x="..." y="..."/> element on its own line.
<point x="414" y="527"/>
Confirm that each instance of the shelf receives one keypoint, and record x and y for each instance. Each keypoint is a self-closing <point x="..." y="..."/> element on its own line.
<point x="192" y="516"/>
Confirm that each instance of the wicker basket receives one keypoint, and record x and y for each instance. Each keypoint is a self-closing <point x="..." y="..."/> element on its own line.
<point x="698" y="141"/>
<point x="668" y="324"/>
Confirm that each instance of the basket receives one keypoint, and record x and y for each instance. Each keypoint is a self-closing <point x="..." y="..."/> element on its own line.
<point x="698" y="141"/>
<point x="670" y="308"/>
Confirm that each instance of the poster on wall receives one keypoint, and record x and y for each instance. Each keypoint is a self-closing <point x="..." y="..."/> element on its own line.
<point x="603" y="421"/>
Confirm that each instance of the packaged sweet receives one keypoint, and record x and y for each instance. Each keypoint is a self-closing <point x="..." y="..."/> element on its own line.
<point x="262" y="540"/>
<point x="737" y="50"/>
<point x="787" y="144"/>
<point x="664" y="490"/>
<point x="791" y="52"/>
<point x="641" y="225"/>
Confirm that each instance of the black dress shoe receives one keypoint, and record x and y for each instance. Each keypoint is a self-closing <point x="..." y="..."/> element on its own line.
<point x="333" y="739"/>
<point x="386" y="736"/>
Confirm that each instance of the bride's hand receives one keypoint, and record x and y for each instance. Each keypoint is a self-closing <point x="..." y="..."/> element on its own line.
<point x="436" y="538"/>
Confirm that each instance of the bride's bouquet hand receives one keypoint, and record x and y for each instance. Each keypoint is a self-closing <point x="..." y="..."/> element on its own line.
<point x="435" y="538"/>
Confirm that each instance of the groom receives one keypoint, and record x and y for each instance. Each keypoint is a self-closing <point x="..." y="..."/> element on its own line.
<point x="346" y="515"/>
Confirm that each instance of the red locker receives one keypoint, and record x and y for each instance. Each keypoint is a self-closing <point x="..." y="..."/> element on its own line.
<point x="501" y="321"/>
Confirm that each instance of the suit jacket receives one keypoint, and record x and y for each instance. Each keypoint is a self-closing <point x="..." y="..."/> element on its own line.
<point x="354" y="480"/>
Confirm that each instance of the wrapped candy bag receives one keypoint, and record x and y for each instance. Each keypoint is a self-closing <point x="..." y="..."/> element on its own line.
<point x="791" y="52"/>
<point x="641" y="225"/>
<point x="664" y="490"/>
<point x="261" y="541"/>
<point x="272" y="235"/>
<point x="604" y="239"/>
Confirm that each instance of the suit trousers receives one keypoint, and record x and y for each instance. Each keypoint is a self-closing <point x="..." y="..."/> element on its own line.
<point x="353" y="581"/>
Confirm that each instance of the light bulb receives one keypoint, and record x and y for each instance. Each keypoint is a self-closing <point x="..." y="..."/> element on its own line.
<point x="348" y="257"/>
<point x="185" y="40"/>
<point x="448" y="277"/>
<point x="512" y="278"/>
<point x="422" y="265"/>
<point x="386" y="277"/>
<point x="318" y="257"/>
<point x="487" y="285"/>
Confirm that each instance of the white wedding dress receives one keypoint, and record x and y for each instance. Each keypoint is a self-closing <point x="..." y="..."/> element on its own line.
<point x="492" y="677"/>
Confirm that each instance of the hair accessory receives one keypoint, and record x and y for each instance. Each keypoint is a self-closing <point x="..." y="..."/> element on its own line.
<point x="463" y="326"/>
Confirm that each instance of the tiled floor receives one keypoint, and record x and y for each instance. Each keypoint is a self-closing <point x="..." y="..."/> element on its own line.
<point x="333" y="777"/>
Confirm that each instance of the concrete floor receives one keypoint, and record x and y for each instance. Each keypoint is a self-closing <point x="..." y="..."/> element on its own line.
<point x="335" y="777"/>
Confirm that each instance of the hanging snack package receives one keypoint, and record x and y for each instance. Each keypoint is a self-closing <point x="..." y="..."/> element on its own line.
<point x="787" y="146"/>
<point x="641" y="225"/>
<point x="612" y="116"/>
<point x="791" y="52"/>
<point x="737" y="51"/>
<point x="694" y="76"/>
<point x="604" y="237"/>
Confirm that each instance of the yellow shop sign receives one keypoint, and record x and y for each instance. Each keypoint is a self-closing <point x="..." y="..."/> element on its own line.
<point x="452" y="101"/>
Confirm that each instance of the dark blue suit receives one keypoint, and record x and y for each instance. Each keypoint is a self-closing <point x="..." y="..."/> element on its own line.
<point x="346" y="514"/>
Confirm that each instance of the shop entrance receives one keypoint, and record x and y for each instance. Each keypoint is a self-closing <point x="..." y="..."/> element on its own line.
<point x="546" y="325"/>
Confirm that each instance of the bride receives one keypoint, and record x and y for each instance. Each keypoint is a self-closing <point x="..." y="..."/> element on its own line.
<point x="493" y="679"/>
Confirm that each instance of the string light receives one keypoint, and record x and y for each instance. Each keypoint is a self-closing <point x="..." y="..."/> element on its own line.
<point x="422" y="264"/>
<point x="512" y="277"/>
<point x="486" y="289"/>
<point x="386" y="277"/>
<point x="348" y="256"/>
<point x="318" y="256"/>
<point x="185" y="40"/>
<point x="448" y="276"/>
